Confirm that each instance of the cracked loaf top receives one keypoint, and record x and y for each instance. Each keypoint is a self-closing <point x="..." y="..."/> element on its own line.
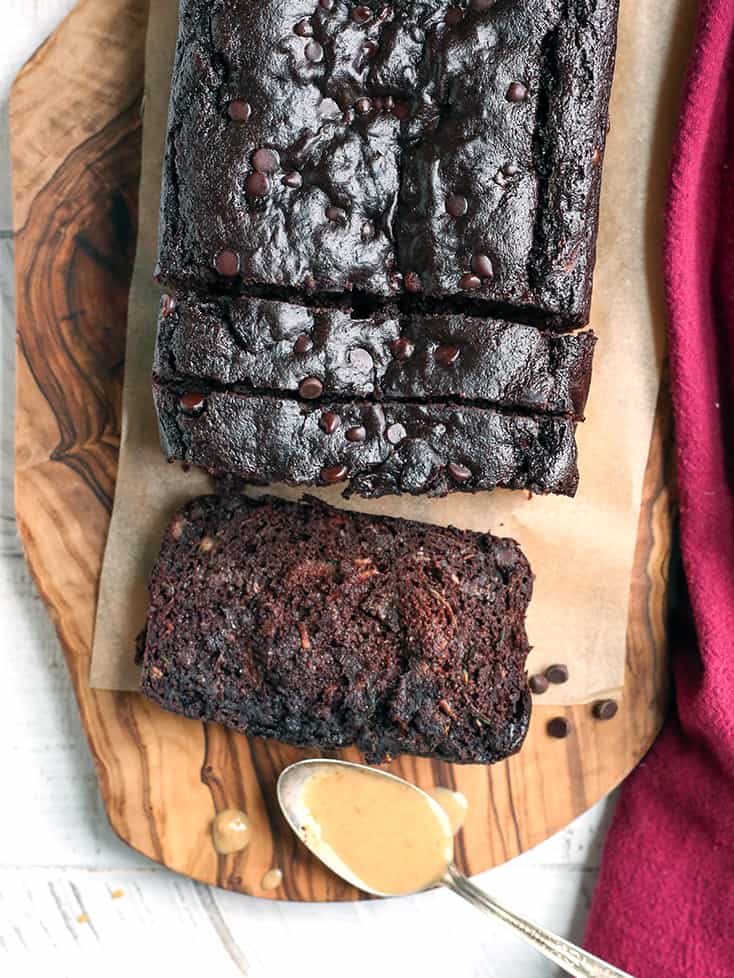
<point x="420" y="147"/>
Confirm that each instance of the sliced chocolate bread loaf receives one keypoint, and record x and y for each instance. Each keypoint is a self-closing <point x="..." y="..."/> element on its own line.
<point x="322" y="628"/>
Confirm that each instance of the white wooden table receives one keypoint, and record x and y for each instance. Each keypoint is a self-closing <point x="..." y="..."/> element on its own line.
<point x="72" y="895"/>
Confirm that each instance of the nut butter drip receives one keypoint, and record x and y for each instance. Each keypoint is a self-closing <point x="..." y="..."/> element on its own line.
<point x="231" y="831"/>
<point x="389" y="836"/>
<point x="453" y="803"/>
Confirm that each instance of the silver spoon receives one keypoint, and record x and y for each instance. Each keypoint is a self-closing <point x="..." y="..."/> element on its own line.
<point x="575" y="961"/>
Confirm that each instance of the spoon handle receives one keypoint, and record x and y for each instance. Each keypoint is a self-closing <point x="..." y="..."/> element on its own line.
<point x="574" y="960"/>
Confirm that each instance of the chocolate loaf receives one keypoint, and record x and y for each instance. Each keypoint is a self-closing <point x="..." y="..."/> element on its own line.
<point x="373" y="218"/>
<point x="449" y="149"/>
<point x="320" y="628"/>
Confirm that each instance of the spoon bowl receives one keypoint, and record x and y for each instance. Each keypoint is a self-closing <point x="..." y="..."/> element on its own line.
<point x="292" y="798"/>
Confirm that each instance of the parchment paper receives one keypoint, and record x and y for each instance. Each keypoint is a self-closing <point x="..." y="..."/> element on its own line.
<point x="582" y="549"/>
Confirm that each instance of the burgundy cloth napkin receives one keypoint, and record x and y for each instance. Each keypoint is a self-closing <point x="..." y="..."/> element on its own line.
<point x="664" y="903"/>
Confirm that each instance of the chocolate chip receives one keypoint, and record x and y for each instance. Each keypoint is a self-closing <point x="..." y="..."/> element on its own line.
<point x="453" y="16"/>
<point x="557" y="673"/>
<point x="356" y="434"/>
<point x="304" y="344"/>
<point x="558" y="727"/>
<point x="459" y="473"/>
<point x="257" y="184"/>
<point x="605" y="709"/>
<point x="396" y="280"/>
<point x="401" y="109"/>
<point x="265" y="160"/>
<point x="482" y="265"/>
<point x="470" y="281"/>
<point x="368" y="231"/>
<point x="538" y="684"/>
<point x="348" y="117"/>
<point x="337" y="214"/>
<point x="304" y="28"/>
<point x="395" y="433"/>
<point x="413" y="282"/>
<point x="329" y="422"/>
<point x="361" y="14"/>
<point x="369" y="50"/>
<point x="239" y="111"/>
<point x="334" y="473"/>
<point x="314" y="52"/>
<point x="517" y="92"/>
<point x="293" y="179"/>
<point x="168" y="305"/>
<point x="310" y="388"/>
<point x="456" y="205"/>
<point x="192" y="402"/>
<point x="361" y="359"/>
<point x="446" y="354"/>
<point x="402" y="348"/>
<point x="227" y="263"/>
<point x="363" y="105"/>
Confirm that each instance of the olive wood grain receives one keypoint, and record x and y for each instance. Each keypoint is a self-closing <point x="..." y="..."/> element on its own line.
<point x="76" y="159"/>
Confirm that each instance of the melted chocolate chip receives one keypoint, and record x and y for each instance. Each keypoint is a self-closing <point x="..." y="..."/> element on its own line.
<point x="456" y="205"/>
<point x="401" y="109"/>
<point x="453" y="16"/>
<point x="257" y="184"/>
<point x="363" y="105"/>
<point x="361" y="14"/>
<point x="303" y="28"/>
<point x="310" y="388"/>
<point x="356" y="434"/>
<point x="168" y="305"/>
<point x="413" y="282"/>
<point x="470" y="281"/>
<point x="402" y="348"/>
<point x="446" y="354"/>
<point x="605" y="709"/>
<point x="482" y="265"/>
<point x="538" y="684"/>
<point x="368" y="231"/>
<point x="265" y="160"/>
<point x="227" y="263"/>
<point x="337" y="214"/>
<point x="239" y="111"/>
<point x="395" y="433"/>
<point x="329" y="422"/>
<point x="558" y="727"/>
<point x="304" y="344"/>
<point x="334" y="473"/>
<point x="517" y="92"/>
<point x="192" y="402"/>
<point x="293" y="179"/>
<point x="557" y="673"/>
<point x="314" y="52"/>
<point x="459" y="473"/>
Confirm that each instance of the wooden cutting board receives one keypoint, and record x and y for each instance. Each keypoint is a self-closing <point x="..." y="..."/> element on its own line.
<point x="76" y="136"/>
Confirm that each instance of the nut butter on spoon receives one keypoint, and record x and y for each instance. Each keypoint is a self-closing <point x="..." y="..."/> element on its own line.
<point x="389" y="838"/>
